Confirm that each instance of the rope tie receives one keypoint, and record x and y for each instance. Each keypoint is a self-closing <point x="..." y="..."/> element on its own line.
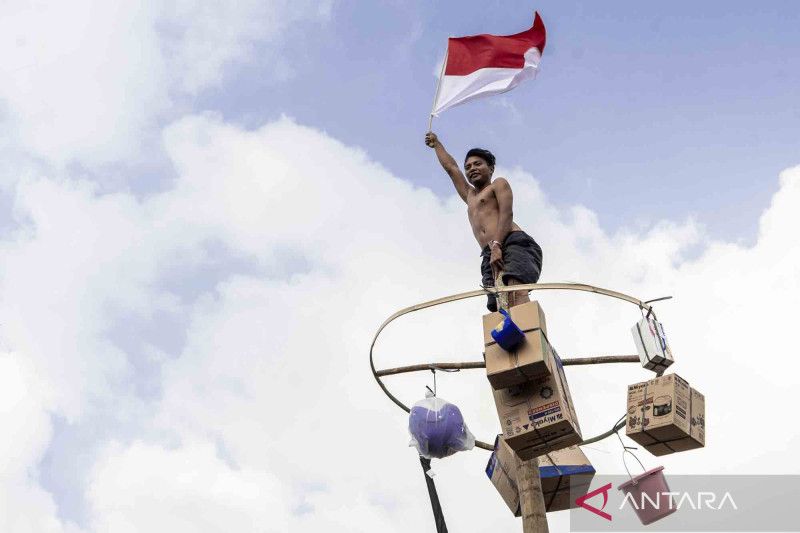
<point x="558" y="482"/>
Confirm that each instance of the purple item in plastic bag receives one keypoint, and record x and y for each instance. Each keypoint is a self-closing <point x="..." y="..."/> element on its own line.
<point x="437" y="428"/>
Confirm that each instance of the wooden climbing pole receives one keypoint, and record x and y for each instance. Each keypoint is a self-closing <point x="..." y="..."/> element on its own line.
<point x="529" y="482"/>
<point x="531" y="498"/>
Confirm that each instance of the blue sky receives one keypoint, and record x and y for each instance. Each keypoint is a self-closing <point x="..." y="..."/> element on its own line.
<point x="207" y="207"/>
<point x="640" y="112"/>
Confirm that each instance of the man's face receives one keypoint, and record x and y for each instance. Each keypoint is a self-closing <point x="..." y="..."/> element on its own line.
<point x="477" y="171"/>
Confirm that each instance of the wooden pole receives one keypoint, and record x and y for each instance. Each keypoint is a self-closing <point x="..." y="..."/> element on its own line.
<point x="595" y="360"/>
<point x="438" y="86"/>
<point x="529" y="482"/>
<point x="531" y="498"/>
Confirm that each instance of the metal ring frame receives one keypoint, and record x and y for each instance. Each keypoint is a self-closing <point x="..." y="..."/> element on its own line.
<point x="470" y="365"/>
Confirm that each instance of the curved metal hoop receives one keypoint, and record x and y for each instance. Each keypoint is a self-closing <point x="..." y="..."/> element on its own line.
<point x="482" y="292"/>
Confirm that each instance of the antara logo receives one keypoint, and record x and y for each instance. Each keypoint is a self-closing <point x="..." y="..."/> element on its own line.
<point x="581" y="502"/>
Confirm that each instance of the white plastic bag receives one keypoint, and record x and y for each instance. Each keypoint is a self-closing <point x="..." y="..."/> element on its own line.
<point x="437" y="428"/>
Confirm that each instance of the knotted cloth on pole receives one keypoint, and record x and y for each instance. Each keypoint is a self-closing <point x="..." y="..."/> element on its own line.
<point x="482" y="65"/>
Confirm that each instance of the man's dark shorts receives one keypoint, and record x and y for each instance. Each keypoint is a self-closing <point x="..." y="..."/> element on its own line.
<point x="522" y="260"/>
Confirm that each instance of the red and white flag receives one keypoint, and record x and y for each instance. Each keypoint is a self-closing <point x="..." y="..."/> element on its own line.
<point x="482" y="65"/>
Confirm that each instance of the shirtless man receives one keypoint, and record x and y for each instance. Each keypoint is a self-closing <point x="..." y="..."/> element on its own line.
<point x="490" y="210"/>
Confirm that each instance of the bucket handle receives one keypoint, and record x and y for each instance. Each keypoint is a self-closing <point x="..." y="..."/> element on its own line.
<point x="626" y="450"/>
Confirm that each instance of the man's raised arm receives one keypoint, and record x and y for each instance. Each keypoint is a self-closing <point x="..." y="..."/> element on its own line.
<point x="449" y="164"/>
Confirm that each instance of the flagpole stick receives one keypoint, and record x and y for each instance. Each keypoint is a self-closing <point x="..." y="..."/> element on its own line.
<point x="438" y="86"/>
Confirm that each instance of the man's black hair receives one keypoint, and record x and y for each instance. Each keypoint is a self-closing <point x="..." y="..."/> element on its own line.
<point x="486" y="155"/>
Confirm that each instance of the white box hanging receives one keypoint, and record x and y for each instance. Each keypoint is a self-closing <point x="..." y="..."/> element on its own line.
<point x="651" y="343"/>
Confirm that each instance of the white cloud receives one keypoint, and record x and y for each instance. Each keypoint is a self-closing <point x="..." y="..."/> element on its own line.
<point x="24" y="505"/>
<point x="78" y="263"/>
<point x="86" y="81"/>
<point x="267" y="412"/>
<point x="149" y="488"/>
<point x="84" y="78"/>
<point x="204" y="37"/>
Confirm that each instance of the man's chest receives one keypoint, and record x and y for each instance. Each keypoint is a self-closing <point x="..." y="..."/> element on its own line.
<point x="482" y="201"/>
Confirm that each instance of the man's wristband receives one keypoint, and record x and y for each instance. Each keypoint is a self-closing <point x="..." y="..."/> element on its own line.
<point x="492" y="243"/>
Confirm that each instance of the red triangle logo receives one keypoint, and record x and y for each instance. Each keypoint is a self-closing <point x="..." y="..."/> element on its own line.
<point x="581" y="502"/>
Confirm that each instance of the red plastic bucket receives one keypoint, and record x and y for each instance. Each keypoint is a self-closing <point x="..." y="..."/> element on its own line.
<point x="649" y="492"/>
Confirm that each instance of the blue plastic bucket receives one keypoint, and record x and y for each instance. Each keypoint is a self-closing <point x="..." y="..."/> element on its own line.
<point x="507" y="334"/>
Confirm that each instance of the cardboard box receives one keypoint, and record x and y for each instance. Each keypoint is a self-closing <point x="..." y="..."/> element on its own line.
<point x="564" y="472"/>
<point x="526" y="316"/>
<point x="538" y="416"/>
<point x="697" y="422"/>
<point x="561" y="471"/>
<point x="665" y="415"/>
<point x="502" y="471"/>
<point x="651" y="344"/>
<point x="505" y="369"/>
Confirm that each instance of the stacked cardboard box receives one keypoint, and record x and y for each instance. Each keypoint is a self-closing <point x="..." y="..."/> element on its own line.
<point x="530" y="389"/>
<point x="539" y="416"/>
<point x="505" y="369"/>
<point x="666" y="415"/>
<point x="562" y="471"/>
